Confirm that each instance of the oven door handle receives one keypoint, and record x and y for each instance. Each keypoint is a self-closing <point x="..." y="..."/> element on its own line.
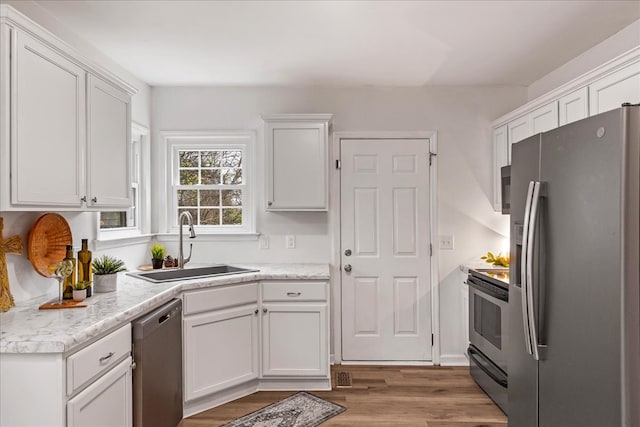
<point x="533" y="221"/>
<point x="477" y="358"/>
<point x="490" y="290"/>
<point x="524" y="265"/>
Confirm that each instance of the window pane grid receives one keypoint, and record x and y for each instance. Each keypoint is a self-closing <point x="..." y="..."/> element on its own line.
<point x="210" y="186"/>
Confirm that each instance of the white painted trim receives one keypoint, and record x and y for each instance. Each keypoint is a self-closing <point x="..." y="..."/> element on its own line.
<point x="247" y="138"/>
<point x="334" y="230"/>
<point x="453" y="360"/>
<point x="219" y="237"/>
<point x="297" y="117"/>
<point x="585" y="79"/>
<point x="100" y="245"/>
<point x="433" y="233"/>
<point x="15" y="19"/>
<point x="388" y="363"/>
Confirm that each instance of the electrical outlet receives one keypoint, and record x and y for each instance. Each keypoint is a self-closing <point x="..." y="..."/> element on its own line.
<point x="445" y="242"/>
<point x="263" y="242"/>
<point x="290" y="241"/>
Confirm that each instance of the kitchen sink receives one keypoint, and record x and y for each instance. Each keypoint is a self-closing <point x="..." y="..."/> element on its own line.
<point x="191" y="273"/>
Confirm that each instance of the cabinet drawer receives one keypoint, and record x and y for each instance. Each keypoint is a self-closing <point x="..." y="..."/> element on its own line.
<point x="216" y="298"/>
<point x="99" y="357"/>
<point x="294" y="291"/>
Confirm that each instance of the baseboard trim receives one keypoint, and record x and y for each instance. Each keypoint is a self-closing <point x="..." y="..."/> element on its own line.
<point x="454" y="360"/>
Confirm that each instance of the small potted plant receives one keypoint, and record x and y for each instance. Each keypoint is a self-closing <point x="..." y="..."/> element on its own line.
<point x="157" y="255"/>
<point x="80" y="290"/>
<point x="105" y="268"/>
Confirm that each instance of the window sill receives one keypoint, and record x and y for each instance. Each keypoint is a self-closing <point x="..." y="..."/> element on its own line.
<point x="118" y="242"/>
<point x="218" y="237"/>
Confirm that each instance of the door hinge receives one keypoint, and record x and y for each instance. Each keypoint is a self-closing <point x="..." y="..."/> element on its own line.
<point x="431" y="156"/>
<point x="432" y="340"/>
<point x="430" y="249"/>
<point x="338" y="164"/>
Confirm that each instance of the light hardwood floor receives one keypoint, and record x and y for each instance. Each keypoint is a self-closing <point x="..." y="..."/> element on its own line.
<point x="427" y="396"/>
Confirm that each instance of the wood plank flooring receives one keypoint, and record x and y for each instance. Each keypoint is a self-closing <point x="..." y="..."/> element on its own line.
<point x="426" y="396"/>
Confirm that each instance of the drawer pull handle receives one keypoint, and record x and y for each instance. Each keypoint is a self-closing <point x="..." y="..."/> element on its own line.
<point x="293" y="294"/>
<point x="107" y="357"/>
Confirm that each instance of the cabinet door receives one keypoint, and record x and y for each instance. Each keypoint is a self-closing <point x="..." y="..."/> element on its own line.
<point x="47" y="126"/>
<point x="612" y="91"/>
<point x="294" y="340"/>
<point x="107" y="402"/>
<point x="297" y="166"/>
<point x="544" y="118"/>
<point x="574" y="106"/>
<point x="500" y="159"/>
<point x="109" y="145"/>
<point x="220" y="350"/>
<point x="517" y="130"/>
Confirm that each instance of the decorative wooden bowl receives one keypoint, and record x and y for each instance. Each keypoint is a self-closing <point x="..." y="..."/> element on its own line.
<point x="48" y="240"/>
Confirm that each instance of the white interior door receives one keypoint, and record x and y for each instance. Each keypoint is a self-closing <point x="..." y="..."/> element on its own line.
<point x="386" y="295"/>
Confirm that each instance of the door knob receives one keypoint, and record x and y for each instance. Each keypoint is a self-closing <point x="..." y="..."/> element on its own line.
<point x="347" y="268"/>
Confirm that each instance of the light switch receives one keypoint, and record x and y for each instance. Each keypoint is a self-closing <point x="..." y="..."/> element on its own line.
<point x="445" y="242"/>
<point x="263" y="242"/>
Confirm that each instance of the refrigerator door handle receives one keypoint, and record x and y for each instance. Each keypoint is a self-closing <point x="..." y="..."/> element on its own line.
<point x="524" y="265"/>
<point x="533" y="330"/>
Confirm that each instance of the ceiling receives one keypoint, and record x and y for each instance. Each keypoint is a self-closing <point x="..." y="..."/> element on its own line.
<point x="342" y="43"/>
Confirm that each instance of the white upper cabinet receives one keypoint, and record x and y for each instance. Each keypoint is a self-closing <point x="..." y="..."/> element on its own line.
<point x="47" y="126"/>
<point x="109" y="144"/>
<point x="544" y="118"/>
<point x="65" y="125"/>
<point x="615" y="89"/>
<point x="297" y="162"/>
<point x="574" y="106"/>
<point x="517" y="130"/>
<point x="602" y="89"/>
<point x="500" y="158"/>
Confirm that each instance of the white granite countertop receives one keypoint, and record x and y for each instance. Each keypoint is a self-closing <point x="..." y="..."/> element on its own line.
<point x="25" y="329"/>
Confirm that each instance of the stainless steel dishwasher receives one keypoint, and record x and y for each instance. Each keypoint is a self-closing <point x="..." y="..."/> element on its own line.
<point x="157" y="376"/>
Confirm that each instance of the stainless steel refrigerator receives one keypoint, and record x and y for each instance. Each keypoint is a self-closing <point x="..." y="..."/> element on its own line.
<point x="574" y="325"/>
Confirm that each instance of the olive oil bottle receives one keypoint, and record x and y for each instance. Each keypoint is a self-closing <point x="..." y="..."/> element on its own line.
<point x="85" y="272"/>
<point x="70" y="280"/>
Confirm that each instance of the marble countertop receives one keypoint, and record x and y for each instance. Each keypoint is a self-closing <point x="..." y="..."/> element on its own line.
<point x="25" y="329"/>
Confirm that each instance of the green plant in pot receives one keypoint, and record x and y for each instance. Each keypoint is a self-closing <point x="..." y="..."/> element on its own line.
<point x="80" y="290"/>
<point x="105" y="269"/>
<point x="157" y="255"/>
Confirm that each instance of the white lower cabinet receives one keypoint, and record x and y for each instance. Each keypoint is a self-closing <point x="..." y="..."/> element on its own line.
<point x="106" y="402"/>
<point x="294" y="340"/>
<point x="246" y="337"/>
<point x="221" y="338"/>
<point x="221" y="350"/>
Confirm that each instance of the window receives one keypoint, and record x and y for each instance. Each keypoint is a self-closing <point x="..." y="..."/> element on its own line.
<point x="210" y="178"/>
<point x="129" y="222"/>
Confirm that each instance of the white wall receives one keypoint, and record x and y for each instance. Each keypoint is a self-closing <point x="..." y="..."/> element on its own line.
<point x="461" y="116"/>
<point x="24" y="281"/>
<point x="621" y="42"/>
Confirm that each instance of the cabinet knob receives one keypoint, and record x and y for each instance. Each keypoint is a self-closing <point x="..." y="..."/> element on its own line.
<point x="264" y="310"/>
<point x="94" y="200"/>
<point x="256" y="312"/>
<point x="347" y="252"/>
<point x="347" y="268"/>
<point x="269" y="203"/>
<point x="83" y="199"/>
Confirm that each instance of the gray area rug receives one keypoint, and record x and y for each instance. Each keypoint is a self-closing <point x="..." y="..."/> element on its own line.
<point x="299" y="410"/>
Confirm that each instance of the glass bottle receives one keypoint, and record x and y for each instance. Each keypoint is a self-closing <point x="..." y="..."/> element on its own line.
<point x="70" y="280"/>
<point x="85" y="272"/>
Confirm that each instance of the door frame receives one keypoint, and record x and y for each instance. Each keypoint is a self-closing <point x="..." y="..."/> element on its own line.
<point x="335" y="232"/>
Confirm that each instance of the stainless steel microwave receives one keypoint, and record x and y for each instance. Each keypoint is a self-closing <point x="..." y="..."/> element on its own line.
<point x="505" y="188"/>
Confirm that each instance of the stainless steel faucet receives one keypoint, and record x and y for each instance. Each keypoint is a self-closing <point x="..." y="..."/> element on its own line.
<point x="192" y="235"/>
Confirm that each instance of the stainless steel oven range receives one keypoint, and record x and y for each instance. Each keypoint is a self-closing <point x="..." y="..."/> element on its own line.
<point x="488" y="300"/>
